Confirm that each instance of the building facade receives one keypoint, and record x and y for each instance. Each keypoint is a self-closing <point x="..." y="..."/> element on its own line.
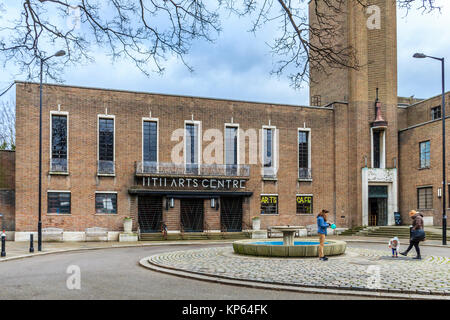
<point x="201" y="164"/>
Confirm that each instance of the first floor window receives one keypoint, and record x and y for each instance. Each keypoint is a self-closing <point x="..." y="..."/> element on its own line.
<point x="106" y="203"/>
<point x="59" y="143"/>
<point x="304" y="204"/>
<point x="425" y="198"/>
<point x="269" y="204"/>
<point x="58" y="202"/>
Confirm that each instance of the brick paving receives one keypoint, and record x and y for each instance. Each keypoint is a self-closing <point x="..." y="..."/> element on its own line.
<point x="353" y="270"/>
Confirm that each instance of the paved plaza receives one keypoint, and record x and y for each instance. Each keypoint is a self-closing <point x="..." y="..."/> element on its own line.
<point x="358" y="269"/>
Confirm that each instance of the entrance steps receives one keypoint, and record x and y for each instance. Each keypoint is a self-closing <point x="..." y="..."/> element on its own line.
<point x="401" y="232"/>
<point x="195" y="236"/>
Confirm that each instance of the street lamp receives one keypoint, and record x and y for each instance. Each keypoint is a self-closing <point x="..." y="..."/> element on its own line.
<point x="444" y="213"/>
<point x="60" y="53"/>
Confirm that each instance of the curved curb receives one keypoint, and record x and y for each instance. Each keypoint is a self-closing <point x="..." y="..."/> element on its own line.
<point x="145" y="263"/>
<point x="44" y="253"/>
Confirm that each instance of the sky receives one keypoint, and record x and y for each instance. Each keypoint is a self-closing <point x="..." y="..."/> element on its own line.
<point x="237" y="66"/>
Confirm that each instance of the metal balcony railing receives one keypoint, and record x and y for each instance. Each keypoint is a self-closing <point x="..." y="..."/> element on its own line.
<point x="106" y="167"/>
<point x="304" y="173"/>
<point x="195" y="169"/>
<point x="58" y="165"/>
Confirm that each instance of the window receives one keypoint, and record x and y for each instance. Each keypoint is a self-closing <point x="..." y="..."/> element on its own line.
<point x="269" y="204"/>
<point x="192" y="147"/>
<point x="106" y="203"/>
<point x="150" y="145"/>
<point x="268" y="150"/>
<point x="106" y="145"/>
<point x="436" y="113"/>
<point x="231" y="150"/>
<point x="304" y="204"/>
<point x="58" y="202"/>
<point x="304" y="171"/>
<point x="425" y="154"/>
<point x="425" y="198"/>
<point x="316" y="100"/>
<point x="59" y="143"/>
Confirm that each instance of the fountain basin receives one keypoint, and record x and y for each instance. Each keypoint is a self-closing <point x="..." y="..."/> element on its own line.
<point x="271" y="248"/>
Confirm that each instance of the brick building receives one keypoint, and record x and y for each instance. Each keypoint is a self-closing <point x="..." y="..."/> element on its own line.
<point x="202" y="164"/>
<point x="7" y="181"/>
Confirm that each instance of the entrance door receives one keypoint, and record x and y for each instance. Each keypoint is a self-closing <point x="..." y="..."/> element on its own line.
<point x="231" y="214"/>
<point x="192" y="215"/>
<point x="149" y="214"/>
<point x="378" y="215"/>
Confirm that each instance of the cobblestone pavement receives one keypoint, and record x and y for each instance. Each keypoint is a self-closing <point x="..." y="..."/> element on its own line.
<point x="357" y="269"/>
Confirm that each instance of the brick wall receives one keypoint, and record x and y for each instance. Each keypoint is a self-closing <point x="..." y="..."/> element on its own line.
<point x="85" y="104"/>
<point x="7" y="194"/>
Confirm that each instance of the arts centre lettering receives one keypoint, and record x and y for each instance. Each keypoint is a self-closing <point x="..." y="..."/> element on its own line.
<point x="193" y="183"/>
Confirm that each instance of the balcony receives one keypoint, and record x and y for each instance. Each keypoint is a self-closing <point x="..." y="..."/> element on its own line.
<point x="304" y="174"/>
<point x="269" y="173"/>
<point x="106" y="168"/>
<point x="180" y="169"/>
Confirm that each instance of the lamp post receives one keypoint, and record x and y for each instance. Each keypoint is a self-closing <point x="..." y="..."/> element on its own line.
<point x="444" y="183"/>
<point x="60" y="53"/>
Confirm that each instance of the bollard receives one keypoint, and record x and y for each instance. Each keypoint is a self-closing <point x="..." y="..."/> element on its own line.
<point x="3" y="254"/>
<point x="31" y="243"/>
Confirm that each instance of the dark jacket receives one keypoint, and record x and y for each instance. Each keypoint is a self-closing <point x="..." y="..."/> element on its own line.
<point x="417" y="221"/>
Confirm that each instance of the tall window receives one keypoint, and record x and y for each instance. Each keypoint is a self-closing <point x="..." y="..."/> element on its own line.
<point x="268" y="152"/>
<point x="425" y="198"/>
<point x="106" y="203"/>
<point x="58" y="202"/>
<point x="376" y="149"/>
<point x="192" y="148"/>
<point x="150" y="147"/>
<point x="425" y="154"/>
<point x="304" y="171"/>
<point x="106" y="145"/>
<point x="269" y="204"/>
<point x="59" y="143"/>
<point x="436" y="113"/>
<point x="231" y="149"/>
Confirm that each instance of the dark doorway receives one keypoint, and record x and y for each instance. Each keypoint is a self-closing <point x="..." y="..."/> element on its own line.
<point x="231" y="214"/>
<point x="378" y="214"/>
<point x="149" y="214"/>
<point x="192" y="215"/>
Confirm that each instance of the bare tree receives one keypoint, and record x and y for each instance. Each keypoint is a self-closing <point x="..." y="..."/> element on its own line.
<point x="7" y="125"/>
<point x="149" y="31"/>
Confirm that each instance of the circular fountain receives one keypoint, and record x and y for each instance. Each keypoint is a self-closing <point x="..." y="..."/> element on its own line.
<point x="288" y="247"/>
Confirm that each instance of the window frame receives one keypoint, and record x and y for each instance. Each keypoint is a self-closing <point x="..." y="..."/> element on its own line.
<point x="106" y="192"/>
<point x="433" y="112"/>
<point x="231" y="125"/>
<point x="274" y="146"/>
<point x="70" y="203"/>
<point x="113" y="117"/>
<point x="59" y="113"/>
<point x="420" y="155"/>
<point x="298" y="151"/>
<point x="312" y="204"/>
<point x="277" y="203"/>
<point x="147" y="119"/>
<point x="418" y="197"/>
<point x="199" y="141"/>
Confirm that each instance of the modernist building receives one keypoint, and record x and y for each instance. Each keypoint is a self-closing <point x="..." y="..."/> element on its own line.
<point x="202" y="164"/>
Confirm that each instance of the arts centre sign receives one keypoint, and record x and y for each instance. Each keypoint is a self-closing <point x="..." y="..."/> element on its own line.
<point x="189" y="183"/>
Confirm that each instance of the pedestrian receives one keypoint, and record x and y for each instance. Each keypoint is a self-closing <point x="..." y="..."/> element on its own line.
<point x="394" y="245"/>
<point x="417" y="233"/>
<point x="322" y="226"/>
